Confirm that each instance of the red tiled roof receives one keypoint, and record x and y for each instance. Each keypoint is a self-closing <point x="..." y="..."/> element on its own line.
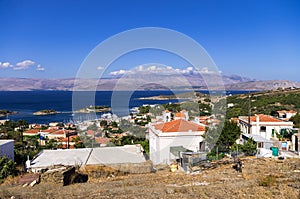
<point x="48" y="130"/>
<point x="70" y="138"/>
<point x="101" y="140"/>
<point x="31" y="131"/>
<point x="235" y="119"/>
<point x="179" y="126"/>
<point x="264" y="118"/>
<point x="181" y="115"/>
<point x="59" y="132"/>
<point x="90" y="132"/>
<point x="36" y="126"/>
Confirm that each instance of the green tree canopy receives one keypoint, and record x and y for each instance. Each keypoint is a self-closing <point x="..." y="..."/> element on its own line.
<point x="223" y="138"/>
<point x="296" y="120"/>
<point x="7" y="168"/>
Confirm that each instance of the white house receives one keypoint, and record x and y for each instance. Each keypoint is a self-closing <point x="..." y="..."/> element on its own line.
<point x="7" y="148"/>
<point x="286" y="115"/>
<point x="166" y="116"/>
<point x="263" y="125"/>
<point x="175" y="133"/>
<point x="182" y="115"/>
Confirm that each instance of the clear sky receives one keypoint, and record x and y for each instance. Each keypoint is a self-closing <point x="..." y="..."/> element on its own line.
<point x="49" y="39"/>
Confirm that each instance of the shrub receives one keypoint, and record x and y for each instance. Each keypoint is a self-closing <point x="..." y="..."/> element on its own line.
<point x="7" y="168"/>
<point x="267" y="181"/>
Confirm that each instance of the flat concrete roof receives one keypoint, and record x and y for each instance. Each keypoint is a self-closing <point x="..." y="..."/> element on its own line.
<point x="256" y="138"/>
<point x="2" y="142"/>
<point x="89" y="156"/>
<point x="116" y="155"/>
<point x="48" y="158"/>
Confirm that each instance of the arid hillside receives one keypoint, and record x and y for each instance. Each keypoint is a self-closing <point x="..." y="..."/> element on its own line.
<point x="260" y="178"/>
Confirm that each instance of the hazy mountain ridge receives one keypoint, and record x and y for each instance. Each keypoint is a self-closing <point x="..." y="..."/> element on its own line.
<point x="231" y="82"/>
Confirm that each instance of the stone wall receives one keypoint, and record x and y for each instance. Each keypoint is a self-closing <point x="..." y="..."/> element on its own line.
<point x="64" y="175"/>
<point x="104" y="171"/>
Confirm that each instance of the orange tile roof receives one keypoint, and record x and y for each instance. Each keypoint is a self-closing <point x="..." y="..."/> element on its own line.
<point x="31" y="131"/>
<point x="48" y="130"/>
<point x="70" y="138"/>
<point x="264" y="118"/>
<point x="101" y="140"/>
<point x="59" y="132"/>
<point x="90" y="132"/>
<point x="36" y="126"/>
<point x="179" y="126"/>
<point x="235" y="119"/>
<point x="180" y="115"/>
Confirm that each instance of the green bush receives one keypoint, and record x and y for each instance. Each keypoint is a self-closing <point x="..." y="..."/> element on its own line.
<point x="249" y="147"/>
<point x="214" y="156"/>
<point x="7" y="168"/>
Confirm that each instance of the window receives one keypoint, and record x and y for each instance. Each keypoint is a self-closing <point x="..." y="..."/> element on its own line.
<point x="263" y="129"/>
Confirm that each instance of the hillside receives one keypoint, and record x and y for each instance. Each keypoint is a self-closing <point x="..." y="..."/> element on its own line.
<point x="231" y="82"/>
<point x="260" y="178"/>
<point x="264" y="102"/>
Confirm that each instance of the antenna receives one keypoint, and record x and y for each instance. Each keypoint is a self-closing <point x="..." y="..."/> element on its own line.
<point x="249" y="113"/>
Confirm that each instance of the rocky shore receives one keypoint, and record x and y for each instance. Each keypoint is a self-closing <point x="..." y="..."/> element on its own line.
<point x="7" y="112"/>
<point x="45" y="112"/>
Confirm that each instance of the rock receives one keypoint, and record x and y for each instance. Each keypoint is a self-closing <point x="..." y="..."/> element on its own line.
<point x="33" y="183"/>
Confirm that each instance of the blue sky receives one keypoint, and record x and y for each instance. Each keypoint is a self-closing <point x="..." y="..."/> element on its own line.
<point x="50" y="39"/>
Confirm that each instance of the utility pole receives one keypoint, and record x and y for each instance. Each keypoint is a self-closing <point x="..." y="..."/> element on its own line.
<point x="249" y="114"/>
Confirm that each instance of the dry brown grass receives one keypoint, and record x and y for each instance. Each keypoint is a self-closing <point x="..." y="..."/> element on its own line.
<point x="222" y="182"/>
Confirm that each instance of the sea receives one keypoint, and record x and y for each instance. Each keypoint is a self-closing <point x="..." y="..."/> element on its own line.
<point x="25" y="103"/>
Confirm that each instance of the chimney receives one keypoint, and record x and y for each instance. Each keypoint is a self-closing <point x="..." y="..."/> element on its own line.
<point x="257" y="124"/>
<point x="257" y="118"/>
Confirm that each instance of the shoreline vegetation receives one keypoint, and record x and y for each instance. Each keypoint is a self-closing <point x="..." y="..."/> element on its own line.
<point x="94" y="109"/>
<point x="7" y="112"/>
<point x="45" y="112"/>
<point x="180" y="96"/>
<point x="90" y="109"/>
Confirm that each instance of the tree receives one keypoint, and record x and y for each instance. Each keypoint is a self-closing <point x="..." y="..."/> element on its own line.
<point x="296" y="120"/>
<point x="7" y="168"/>
<point x="114" y="124"/>
<point x="223" y="138"/>
<point x="249" y="147"/>
<point x="230" y="133"/>
<point x="145" y="145"/>
<point x="103" y="123"/>
<point x="144" y="109"/>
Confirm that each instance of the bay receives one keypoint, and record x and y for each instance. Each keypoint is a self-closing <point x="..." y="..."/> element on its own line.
<point x="28" y="102"/>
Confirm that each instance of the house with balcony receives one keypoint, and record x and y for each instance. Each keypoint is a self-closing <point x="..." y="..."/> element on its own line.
<point x="286" y="114"/>
<point x="264" y="125"/>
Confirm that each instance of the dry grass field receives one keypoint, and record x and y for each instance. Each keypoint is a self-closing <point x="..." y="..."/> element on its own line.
<point x="260" y="178"/>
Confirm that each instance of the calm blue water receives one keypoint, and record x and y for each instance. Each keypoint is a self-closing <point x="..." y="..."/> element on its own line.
<point x="28" y="102"/>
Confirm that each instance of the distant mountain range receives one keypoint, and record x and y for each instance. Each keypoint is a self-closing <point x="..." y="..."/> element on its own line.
<point x="231" y="82"/>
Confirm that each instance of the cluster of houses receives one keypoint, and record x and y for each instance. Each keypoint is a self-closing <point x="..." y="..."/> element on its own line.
<point x="170" y="136"/>
<point x="266" y="131"/>
<point x="63" y="134"/>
